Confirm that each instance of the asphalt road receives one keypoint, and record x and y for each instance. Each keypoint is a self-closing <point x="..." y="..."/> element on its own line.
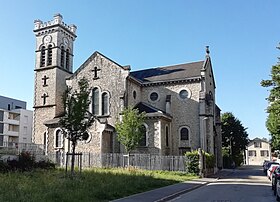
<point x="247" y="184"/>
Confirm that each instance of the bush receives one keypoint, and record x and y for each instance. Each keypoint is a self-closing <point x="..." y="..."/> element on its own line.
<point x="25" y="162"/>
<point x="192" y="162"/>
<point x="45" y="164"/>
<point x="4" y="167"/>
<point x="210" y="160"/>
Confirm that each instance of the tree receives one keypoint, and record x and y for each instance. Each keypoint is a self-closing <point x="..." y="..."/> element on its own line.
<point x="273" y="119"/>
<point x="77" y="119"/>
<point x="130" y="130"/>
<point x="234" y="137"/>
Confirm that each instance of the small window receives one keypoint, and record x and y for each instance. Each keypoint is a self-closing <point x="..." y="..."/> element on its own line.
<point x="49" y="55"/>
<point x="143" y="141"/>
<point x="62" y="57"/>
<point x="43" y="56"/>
<point x="1" y="115"/>
<point x="154" y="96"/>
<point x="105" y="100"/>
<point x="184" y="134"/>
<point x="58" y="138"/>
<point x="134" y="94"/>
<point x="95" y="101"/>
<point x="183" y="94"/>
<point x="1" y="140"/>
<point x="1" y="127"/>
<point x="257" y="144"/>
<point x="67" y="59"/>
<point x="264" y="153"/>
<point x="166" y="136"/>
<point x="252" y="153"/>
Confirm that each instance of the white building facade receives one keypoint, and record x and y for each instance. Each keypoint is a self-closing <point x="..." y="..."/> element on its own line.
<point x="258" y="150"/>
<point x="15" y="122"/>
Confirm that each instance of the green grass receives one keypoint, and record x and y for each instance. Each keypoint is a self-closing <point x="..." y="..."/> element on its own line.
<point x="90" y="185"/>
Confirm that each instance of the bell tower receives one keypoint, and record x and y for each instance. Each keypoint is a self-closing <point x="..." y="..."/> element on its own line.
<point x="53" y="63"/>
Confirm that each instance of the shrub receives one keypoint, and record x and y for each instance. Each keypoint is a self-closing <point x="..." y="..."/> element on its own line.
<point x="210" y="160"/>
<point x="192" y="162"/>
<point x="45" y="164"/>
<point x="4" y="167"/>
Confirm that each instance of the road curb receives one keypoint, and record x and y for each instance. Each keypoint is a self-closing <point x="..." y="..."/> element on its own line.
<point x="179" y="193"/>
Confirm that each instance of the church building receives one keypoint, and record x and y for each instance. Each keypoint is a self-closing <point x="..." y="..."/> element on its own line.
<point x="179" y="100"/>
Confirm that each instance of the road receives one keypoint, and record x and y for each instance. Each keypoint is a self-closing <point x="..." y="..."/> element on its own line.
<point x="247" y="184"/>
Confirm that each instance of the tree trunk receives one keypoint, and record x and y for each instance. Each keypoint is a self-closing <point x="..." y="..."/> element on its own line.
<point x="73" y="158"/>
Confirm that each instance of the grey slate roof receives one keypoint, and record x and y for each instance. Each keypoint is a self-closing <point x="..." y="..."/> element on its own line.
<point x="181" y="71"/>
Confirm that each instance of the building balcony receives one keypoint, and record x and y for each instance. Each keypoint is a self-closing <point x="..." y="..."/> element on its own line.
<point x="12" y="133"/>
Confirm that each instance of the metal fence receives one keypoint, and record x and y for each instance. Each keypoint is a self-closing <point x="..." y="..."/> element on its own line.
<point x="141" y="161"/>
<point x="88" y="160"/>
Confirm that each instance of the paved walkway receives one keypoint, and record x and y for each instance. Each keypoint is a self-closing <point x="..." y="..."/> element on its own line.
<point x="169" y="192"/>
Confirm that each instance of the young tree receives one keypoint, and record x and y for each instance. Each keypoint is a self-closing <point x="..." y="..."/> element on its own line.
<point x="130" y="129"/>
<point x="273" y="119"/>
<point x="234" y="137"/>
<point x="77" y="119"/>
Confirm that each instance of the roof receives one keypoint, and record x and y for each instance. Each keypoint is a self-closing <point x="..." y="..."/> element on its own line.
<point x="181" y="71"/>
<point x="143" y="107"/>
<point x="152" y="111"/>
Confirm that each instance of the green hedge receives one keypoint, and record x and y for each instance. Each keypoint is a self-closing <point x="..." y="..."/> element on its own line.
<point x="192" y="162"/>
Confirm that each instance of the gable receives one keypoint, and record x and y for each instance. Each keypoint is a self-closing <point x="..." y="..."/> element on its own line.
<point x="90" y="59"/>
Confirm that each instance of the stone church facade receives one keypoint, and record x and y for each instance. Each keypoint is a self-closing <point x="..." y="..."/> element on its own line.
<point x="179" y="100"/>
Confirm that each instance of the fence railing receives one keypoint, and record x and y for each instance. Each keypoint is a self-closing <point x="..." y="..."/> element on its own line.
<point x="141" y="161"/>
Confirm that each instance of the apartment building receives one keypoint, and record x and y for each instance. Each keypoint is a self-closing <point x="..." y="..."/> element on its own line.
<point x="15" y="122"/>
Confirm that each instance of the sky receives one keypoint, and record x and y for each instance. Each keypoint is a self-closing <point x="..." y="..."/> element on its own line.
<point x="242" y="35"/>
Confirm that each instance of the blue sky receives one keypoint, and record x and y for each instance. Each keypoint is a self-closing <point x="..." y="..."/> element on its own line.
<point x="242" y="36"/>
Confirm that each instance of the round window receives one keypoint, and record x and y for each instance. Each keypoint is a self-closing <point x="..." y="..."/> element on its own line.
<point x="153" y="96"/>
<point x="184" y="94"/>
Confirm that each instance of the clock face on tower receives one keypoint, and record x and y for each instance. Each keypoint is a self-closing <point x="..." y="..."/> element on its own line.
<point x="47" y="39"/>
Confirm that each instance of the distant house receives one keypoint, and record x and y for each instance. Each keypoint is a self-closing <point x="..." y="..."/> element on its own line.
<point x="257" y="151"/>
<point x="15" y="122"/>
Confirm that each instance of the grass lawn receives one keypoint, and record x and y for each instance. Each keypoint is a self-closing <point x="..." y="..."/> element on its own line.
<point x="90" y="185"/>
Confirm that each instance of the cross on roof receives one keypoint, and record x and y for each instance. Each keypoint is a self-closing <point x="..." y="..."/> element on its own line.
<point x="45" y="78"/>
<point x="95" y="70"/>
<point x="44" y="96"/>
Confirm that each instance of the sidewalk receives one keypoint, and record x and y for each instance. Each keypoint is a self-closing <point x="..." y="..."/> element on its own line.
<point x="169" y="192"/>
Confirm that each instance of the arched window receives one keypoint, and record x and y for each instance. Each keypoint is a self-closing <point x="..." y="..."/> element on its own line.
<point x="166" y="136"/>
<point x="67" y="59"/>
<point x="143" y="141"/>
<point x="45" y="141"/>
<point x="62" y="58"/>
<point x="95" y="101"/>
<point x="105" y="104"/>
<point x="184" y="133"/>
<point x="49" y="55"/>
<point x="43" y="56"/>
<point x="58" y="138"/>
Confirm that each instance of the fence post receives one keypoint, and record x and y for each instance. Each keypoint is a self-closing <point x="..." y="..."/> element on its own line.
<point x="200" y="163"/>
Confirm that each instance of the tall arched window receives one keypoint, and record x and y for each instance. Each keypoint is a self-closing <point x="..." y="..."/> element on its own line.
<point x="67" y="59"/>
<point x="95" y="101"/>
<point x="105" y="103"/>
<point x="143" y="141"/>
<point x="184" y="133"/>
<point x="43" y="56"/>
<point x="45" y="141"/>
<point x="166" y="136"/>
<point x="58" y="138"/>
<point x="62" y="58"/>
<point x="49" y="62"/>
